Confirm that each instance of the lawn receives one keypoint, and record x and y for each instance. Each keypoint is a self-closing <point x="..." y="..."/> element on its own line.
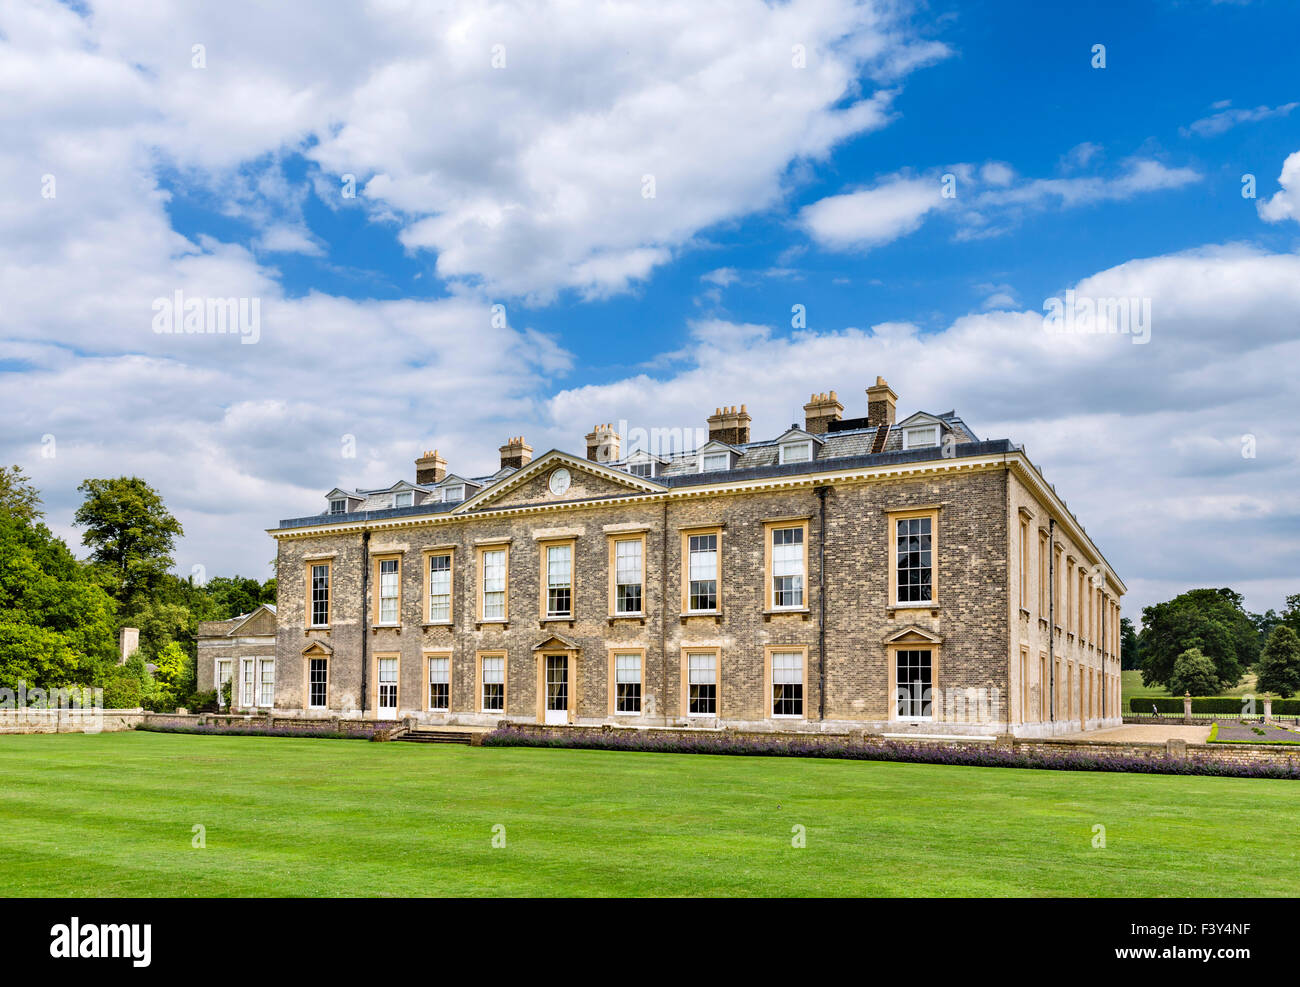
<point x="112" y="815"/>
<point x="1131" y="685"/>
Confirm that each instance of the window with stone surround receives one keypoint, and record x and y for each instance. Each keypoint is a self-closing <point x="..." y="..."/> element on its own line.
<point x="439" y="671"/>
<point x="439" y="588"/>
<point x="702" y="683"/>
<point x="266" y="682"/>
<point x="702" y="572"/>
<point x="559" y="580"/>
<point x="318" y="594"/>
<point x="627" y="682"/>
<point x="914" y="683"/>
<point x="493" y="577"/>
<point x="629" y="575"/>
<point x="786" y="564"/>
<point x="913" y="576"/>
<point x="317" y="683"/>
<point x="786" y="675"/>
<point x="492" y="676"/>
<point x="388" y="582"/>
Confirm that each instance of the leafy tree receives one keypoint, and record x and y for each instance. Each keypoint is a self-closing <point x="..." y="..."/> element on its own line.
<point x="1279" y="665"/>
<point x="233" y="595"/>
<point x="174" y="673"/>
<point x="1265" y="622"/>
<point x="17" y="495"/>
<point x="57" y="625"/>
<point x="1194" y="673"/>
<point x="1212" y="620"/>
<point x="1291" y="615"/>
<point x="1128" y="645"/>
<point x="129" y="531"/>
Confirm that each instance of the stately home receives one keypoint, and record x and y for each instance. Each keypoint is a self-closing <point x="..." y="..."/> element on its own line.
<point x="895" y="576"/>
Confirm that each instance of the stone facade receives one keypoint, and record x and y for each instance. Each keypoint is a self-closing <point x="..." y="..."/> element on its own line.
<point x="240" y="646"/>
<point x="847" y="630"/>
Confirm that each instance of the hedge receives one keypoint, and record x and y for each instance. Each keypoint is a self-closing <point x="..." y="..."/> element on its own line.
<point x="1216" y="705"/>
<point x="984" y="756"/>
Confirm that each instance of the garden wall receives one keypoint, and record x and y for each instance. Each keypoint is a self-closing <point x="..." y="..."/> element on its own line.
<point x="68" y="720"/>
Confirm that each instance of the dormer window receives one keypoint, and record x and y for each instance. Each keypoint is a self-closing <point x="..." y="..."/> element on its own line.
<point x="404" y="499"/>
<point x="919" y="438"/>
<point x="339" y="506"/>
<point x="454" y="493"/>
<point x="712" y="462"/>
<point x="646" y="469"/>
<point x="795" y="452"/>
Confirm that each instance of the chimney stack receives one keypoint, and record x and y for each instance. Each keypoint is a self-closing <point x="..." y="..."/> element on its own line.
<point x="430" y="468"/>
<point x="820" y="411"/>
<point x="603" y="444"/>
<point x="516" y="453"/>
<point x="729" y="425"/>
<point x="128" y="641"/>
<point x="880" y="403"/>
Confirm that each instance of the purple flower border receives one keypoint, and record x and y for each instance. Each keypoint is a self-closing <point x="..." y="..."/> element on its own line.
<point x="936" y="753"/>
<point x="213" y="731"/>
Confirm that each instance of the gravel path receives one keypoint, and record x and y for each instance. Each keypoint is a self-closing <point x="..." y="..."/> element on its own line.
<point x="1151" y="733"/>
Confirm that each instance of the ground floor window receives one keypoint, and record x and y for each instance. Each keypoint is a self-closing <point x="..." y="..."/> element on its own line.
<point x="247" y="697"/>
<point x="266" y="693"/>
<point x="915" y="683"/>
<point x="627" y="683"/>
<point x="317" y="683"/>
<point x="388" y="683"/>
<point x="787" y="683"/>
<point x="440" y="682"/>
<point x="222" y="677"/>
<point x="494" y="684"/>
<point x="702" y="683"/>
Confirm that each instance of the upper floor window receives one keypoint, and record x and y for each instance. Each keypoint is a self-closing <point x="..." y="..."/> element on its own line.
<point x="403" y="499"/>
<point x="318" y="612"/>
<point x="440" y="588"/>
<point x="912" y="575"/>
<point x="628" y="575"/>
<point x="646" y="469"/>
<point x="787" y="566"/>
<point x="714" y="461"/>
<point x="339" y="506"/>
<point x="916" y="438"/>
<point x="795" y="452"/>
<point x="390" y="589"/>
<point x="702" y="572"/>
<point x="493" y="576"/>
<point x="559" y="580"/>
<point x="453" y="493"/>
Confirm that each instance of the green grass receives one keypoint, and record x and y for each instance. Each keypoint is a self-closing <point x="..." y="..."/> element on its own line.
<point x="1131" y="685"/>
<point x="112" y="815"/>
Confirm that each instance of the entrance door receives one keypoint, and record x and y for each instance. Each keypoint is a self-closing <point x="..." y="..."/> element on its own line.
<point x="387" y="688"/>
<point x="557" y="689"/>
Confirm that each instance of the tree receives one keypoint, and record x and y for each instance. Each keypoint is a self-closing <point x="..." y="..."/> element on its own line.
<point x="1279" y="664"/>
<point x="57" y="625"/>
<point x="173" y="672"/>
<point x="1128" y="645"/>
<point x="129" y="531"/>
<point x="1212" y="620"/>
<point x="17" y="495"/>
<point x="1291" y="615"/>
<point x="1193" y="673"/>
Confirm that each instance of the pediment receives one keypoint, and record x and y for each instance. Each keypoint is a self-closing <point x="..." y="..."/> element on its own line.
<point x="260" y="622"/>
<point x="317" y="649"/>
<point x="912" y="634"/>
<point x="558" y="642"/>
<point x="532" y="484"/>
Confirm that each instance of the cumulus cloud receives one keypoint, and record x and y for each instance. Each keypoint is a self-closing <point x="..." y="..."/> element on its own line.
<point x="1285" y="203"/>
<point x="1144" y="442"/>
<point x="873" y="216"/>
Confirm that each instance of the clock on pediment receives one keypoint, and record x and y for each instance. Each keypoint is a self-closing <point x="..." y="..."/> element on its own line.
<point x="560" y="481"/>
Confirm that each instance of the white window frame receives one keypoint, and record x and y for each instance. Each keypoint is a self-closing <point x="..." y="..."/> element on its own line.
<point x="639" y="680"/>
<point x="484" y="683"/>
<point x="801" y="658"/>
<point x="395" y="597"/>
<point x="706" y="457"/>
<point x="713" y="659"/>
<point x="311" y="660"/>
<point x="404" y="495"/>
<point x="801" y="575"/>
<point x="262" y="700"/>
<point x="716" y="552"/>
<point x="648" y="464"/>
<point x="221" y="680"/>
<point x="311" y="597"/>
<point x="910" y="440"/>
<point x="785" y="447"/>
<point x="553" y="583"/>
<point x="453" y="493"/>
<point x="429" y="660"/>
<point x="247" y="683"/>
<point x="640" y="580"/>
<point x="428" y="604"/>
<point x="334" y="509"/>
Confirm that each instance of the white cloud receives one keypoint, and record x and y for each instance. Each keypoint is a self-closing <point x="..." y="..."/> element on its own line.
<point x="871" y="217"/>
<point x="1285" y="203"/>
<point x="1226" y="119"/>
<point x="1144" y="442"/>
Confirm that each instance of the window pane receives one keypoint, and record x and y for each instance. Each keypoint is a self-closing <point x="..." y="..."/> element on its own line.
<point x="702" y="684"/>
<point x="439" y="587"/>
<point x="559" y="585"/>
<point x="703" y="572"/>
<point x="439" y="683"/>
<point x="494" y="683"/>
<point x="388" y="585"/>
<point x="320" y="595"/>
<point x="627" y="683"/>
<point x="787" y="567"/>
<point x="914" y="560"/>
<point x="494" y="585"/>
<point x="914" y="683"/>
<point x="627" y="576"/>
<point x="318" y="676"/>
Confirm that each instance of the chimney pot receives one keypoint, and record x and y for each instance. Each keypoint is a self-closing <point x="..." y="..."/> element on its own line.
<point x="516" y="453"/>
<point x="820" y="411"/>
<point x="604" y="445"/>
<point x="881" y="401"/>
<point x="430" y="468"/>
<point x="729" y="425"/>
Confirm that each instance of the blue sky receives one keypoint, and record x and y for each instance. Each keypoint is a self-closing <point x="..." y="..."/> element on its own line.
<point x="205" y="151"/>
